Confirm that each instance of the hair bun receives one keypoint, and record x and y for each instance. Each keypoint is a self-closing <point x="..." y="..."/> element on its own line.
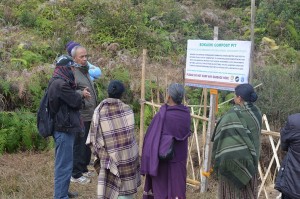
<point x="253" y="97"/>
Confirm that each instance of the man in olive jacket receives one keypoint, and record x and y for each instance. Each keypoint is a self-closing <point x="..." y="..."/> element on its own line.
<point x="85" y="87"/>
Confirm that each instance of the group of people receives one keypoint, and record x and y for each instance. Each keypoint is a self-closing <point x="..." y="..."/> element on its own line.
<point x="107" y="130"/>
<point x="84" y="127"/>
<point x="72" y="100"/>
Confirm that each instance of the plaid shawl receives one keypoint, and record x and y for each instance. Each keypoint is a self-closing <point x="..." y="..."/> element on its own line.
<point x="236" y="144"/>
<point x="112" y="137"/>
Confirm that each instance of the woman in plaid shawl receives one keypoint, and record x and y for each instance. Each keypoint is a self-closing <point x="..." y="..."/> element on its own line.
<point x="113" y="141"/>
<point x="236" y="147"/>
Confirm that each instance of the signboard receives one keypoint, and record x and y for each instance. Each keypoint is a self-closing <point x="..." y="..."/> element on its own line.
<point x="217" y="64"/>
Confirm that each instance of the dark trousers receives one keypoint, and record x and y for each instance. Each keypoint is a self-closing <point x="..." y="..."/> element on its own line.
<point x="285" y="196"/>
<point x="81" y="153"/>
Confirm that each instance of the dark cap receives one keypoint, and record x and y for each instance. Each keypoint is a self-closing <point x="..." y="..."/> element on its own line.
<point x="66" y="60"/>
<point x="70" y="45"/>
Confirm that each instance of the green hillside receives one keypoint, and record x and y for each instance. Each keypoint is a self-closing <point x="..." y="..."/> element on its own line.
<point x="34" y="32"/>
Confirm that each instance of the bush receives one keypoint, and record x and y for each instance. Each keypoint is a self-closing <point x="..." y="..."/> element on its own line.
<point x="281" y="19"/>
<point x="278" y="97"/>
<point x="18" y="132"/>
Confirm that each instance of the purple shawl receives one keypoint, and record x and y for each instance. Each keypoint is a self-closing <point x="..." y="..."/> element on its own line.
<point x="177" y="120"/>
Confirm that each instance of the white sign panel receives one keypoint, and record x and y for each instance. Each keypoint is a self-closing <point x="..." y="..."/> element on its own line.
<point x="217" y="63"/>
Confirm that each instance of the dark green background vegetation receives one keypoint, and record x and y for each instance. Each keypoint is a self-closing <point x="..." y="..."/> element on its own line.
<point x="34" y="32"/>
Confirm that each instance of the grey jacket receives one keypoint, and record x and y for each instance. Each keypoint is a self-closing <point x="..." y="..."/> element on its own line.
<point x="83" y="80"/>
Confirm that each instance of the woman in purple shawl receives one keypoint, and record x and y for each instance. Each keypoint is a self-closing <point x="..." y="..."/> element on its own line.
<point x="165" y="149"/>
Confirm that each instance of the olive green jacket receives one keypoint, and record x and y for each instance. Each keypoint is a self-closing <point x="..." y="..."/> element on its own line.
<point x="83" y="80"/>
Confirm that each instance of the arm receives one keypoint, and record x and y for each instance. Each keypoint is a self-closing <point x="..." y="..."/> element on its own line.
<point x="70" y="96"/>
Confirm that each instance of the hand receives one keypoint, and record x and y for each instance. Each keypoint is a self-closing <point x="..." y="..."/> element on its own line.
<point x="86" y="94"/>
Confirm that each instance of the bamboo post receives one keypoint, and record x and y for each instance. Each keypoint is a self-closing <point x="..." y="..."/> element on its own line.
<point x="166" y="90"/>
<point x="264" y="178"/>
<point x="142" y="102"/>
<point x="252" y="39"/>
<point x="204" y="115"/>
<point x="207" y="154"/>
<point x="272" y="142"/>
<point x="261" y="174"/>
<point x="195" y="123"/>
<point x="210" y="129"/>
<point x="157" y="90"/>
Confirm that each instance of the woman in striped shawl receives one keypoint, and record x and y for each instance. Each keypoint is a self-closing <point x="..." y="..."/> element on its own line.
<point x="236" y="147"/>
<point x="113" y="141"/>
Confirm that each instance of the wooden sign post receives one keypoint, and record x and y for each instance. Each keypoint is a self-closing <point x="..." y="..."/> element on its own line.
<point x="210" y="129"/>
<point x="142" y="102"/>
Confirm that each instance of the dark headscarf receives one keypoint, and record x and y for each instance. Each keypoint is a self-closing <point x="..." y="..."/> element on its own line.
<point x="246" y="92"/>
<point x="65" y="73"/>
<point x="176" y="91"/>
<point x="115" y="89"/>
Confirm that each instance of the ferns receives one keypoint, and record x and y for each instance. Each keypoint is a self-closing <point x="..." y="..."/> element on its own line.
<point x="18" y="132"/>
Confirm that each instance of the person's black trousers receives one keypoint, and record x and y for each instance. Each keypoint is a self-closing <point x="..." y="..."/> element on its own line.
<point x="81" y="153"/>
<point x="285" y="197"/>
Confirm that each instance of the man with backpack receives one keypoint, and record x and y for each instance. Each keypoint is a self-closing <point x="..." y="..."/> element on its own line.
<point x="64" y="105"/>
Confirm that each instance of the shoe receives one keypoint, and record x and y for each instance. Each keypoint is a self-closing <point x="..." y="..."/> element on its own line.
<point x="72" y="194"/>
<point x="89" y="174"/>
<point x="81" y="180"/>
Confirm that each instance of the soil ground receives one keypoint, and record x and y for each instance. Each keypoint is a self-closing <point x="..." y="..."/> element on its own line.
<point x="29" y="175"/>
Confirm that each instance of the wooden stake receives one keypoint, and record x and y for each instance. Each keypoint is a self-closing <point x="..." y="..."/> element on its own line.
<point x="157" y="90"/>
<point x="204" y="91"/>
<point x="208" y="144"/>
<point x="142" y="102"/>
<point x="210" y="129"/>
<point x="252" y="40"/>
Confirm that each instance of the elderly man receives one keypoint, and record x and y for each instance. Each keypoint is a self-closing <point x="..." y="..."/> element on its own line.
<point x="113" y="141"/>
<point x="64" y="105"/>
<point x="82" y="153"/>
<point x="94" y="71"/>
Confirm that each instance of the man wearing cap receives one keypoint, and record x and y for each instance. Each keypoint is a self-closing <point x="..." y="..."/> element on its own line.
<point x="94" y="71"/>
<point x="64" y="105"/>
<point x="82" y="153"/>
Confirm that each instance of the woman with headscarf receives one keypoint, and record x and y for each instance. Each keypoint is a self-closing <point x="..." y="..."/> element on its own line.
<point x="165" y="148"/>
<point x="236" y="147"/>
<point x="113" y="142"/>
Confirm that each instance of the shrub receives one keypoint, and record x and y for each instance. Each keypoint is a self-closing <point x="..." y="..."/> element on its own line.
<point x="282" y="20"/>
<point x="18" y="132"/>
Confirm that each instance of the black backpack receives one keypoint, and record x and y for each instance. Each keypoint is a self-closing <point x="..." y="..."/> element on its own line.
<point x="45" y="123"/>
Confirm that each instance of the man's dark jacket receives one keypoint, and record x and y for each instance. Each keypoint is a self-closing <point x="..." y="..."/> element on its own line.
<point x="288" y="179"/>
<point x="64" y="104"/>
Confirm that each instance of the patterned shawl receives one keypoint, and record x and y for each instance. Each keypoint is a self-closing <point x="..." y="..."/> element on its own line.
<point x="236" y="146"/>
<point x="112" y="137"/>
<point x="65" y="73"/>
